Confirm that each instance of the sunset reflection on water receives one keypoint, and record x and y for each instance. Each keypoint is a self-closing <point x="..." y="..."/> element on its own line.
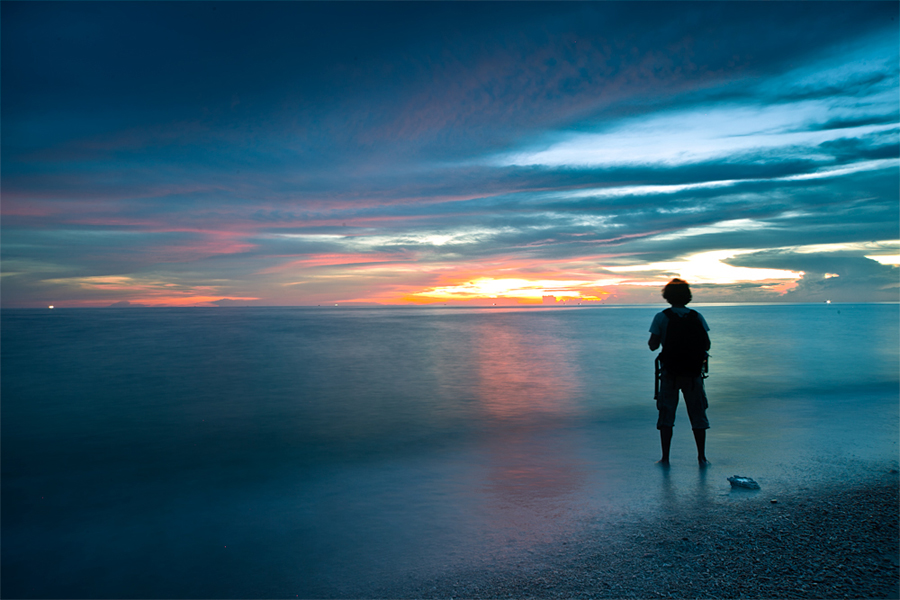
<point x="527" y="386"/>
<point x="524" y="372"/>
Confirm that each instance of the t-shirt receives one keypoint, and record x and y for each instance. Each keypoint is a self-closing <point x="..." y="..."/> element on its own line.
<point x="660" y="321"/>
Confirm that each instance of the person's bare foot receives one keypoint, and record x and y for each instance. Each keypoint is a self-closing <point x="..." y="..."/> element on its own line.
<point x="703" y="462"/>
<point x="663" y="462"/>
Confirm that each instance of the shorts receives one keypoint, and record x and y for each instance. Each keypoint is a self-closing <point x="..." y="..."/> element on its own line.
<point x="694" y="398"/>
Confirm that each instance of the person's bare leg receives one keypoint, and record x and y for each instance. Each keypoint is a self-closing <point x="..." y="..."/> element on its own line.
<point x="700" y="438"/>
<point x="665" y="438"/>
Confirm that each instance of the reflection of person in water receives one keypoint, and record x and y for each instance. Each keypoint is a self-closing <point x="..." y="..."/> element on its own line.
<point x="682" y="333"/>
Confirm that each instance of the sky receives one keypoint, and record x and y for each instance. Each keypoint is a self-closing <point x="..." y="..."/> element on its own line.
<point x="231" y="153"/>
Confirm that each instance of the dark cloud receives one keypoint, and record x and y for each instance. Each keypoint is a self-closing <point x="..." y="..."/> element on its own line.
<point x="851" y="123"/>
<point x="342" y="70"/>
<point x="874" y="147"/>
<point x="841" y="277"/>
<point x="850" y="87"/>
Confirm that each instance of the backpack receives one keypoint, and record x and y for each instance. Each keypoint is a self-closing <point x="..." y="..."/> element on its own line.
<point x="687" y="343"/>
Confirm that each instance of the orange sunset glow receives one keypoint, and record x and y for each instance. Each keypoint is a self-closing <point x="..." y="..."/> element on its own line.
<point x="520" y="290"/>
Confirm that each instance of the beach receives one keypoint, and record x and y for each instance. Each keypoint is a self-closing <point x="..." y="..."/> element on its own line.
<point x="401" y="453"/>
<point x="840" y="542"/>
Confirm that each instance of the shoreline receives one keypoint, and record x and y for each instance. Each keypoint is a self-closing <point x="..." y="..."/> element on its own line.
<point x="840" y="542"/>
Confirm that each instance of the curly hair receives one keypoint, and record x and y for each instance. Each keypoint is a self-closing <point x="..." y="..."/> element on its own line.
<point x="677" y="292"/>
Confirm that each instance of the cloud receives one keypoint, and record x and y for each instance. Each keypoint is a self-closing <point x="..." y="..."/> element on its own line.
<point x="309" y="152"/>
<point x="853" y="123"/>
<point x="829" y="276"/>
<point x="125" y="304"/>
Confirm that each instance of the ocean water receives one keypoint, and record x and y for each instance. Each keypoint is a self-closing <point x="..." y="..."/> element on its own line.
<point x="335" y="452"/>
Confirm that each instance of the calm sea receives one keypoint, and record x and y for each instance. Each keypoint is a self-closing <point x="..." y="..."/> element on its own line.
<point x="328" y="452"/>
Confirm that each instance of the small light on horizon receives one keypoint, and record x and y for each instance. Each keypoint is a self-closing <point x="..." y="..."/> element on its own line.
<point x="51" y="306"/>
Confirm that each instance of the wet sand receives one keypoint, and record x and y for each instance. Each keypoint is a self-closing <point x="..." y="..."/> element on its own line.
<point x="840" y="542"/>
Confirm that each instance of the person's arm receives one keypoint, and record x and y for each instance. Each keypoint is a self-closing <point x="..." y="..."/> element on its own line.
<point x="653" y="342"/>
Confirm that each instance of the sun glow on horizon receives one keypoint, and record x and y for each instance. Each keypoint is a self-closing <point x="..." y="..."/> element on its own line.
<point x="525" y="290"/>
<point x="710" y="268"/>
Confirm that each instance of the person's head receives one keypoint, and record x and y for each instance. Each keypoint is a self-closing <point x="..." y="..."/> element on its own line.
<point x="677" y="292"/>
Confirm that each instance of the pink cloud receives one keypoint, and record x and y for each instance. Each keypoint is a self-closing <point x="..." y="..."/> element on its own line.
<point x="332" y="260"/>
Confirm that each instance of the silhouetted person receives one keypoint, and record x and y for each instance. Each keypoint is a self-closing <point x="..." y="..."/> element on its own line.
<point x="682" y="333"/>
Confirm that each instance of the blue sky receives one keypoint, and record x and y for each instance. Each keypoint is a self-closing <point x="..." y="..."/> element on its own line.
<point x="303" y="153"/>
